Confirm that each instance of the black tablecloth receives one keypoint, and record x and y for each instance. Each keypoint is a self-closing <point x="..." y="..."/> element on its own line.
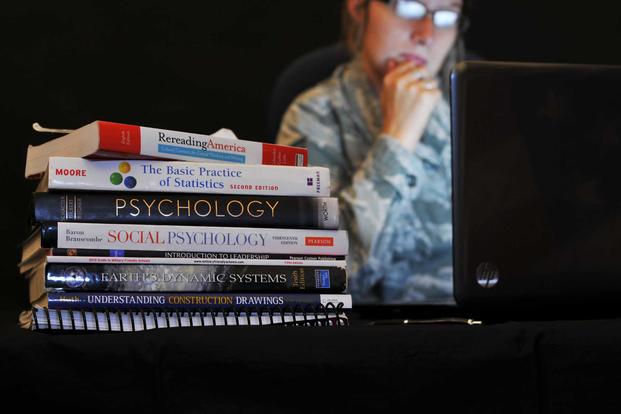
<point x="553" y="366"/>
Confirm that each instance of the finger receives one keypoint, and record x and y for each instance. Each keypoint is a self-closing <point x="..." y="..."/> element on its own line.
<point x="425" y="84"/>
<point x="402" y="80"/>
<point x="431" y="84"/>
<point x="391" y="65"/>
<point x="404" y="75"/>
<point x="410" y="68"/>
<point x="414" y="84"/>
<point x="406" y="66"/>
<point x="429" y="98"/>
<point x="399" y="69"/>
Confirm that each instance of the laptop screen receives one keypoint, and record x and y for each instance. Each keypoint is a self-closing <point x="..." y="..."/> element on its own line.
<point x="537" y="201"/>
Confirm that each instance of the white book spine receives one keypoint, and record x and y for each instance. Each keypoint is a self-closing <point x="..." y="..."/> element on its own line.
<point x="201" y="239"/>
<point x="68" y="173"/>
<point x="177" y="261"/>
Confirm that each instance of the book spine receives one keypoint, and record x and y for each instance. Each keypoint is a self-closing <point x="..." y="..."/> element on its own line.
<point x="66" y="173"/>
<point x="188" y="301"/>
<point x="55" y="251"/>
<point x="185" y="209"/>
<point x="193" y="278"/>
<point x="192" y="261"/>
<point x="166" y="144"/>
<point x="194" y="238"/>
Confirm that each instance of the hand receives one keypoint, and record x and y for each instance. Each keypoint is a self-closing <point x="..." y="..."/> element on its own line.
<point x="407" y="100"/>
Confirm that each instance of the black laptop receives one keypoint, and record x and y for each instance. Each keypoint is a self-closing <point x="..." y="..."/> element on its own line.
<point x="537" y="189"/>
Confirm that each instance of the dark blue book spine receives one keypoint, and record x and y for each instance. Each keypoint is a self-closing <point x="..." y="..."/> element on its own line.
<point x="49" y="234"/>
<point x="55" y="251"/>
<point x="191" y="301"/>
<point x="186" y="209"/>
<point x="121" y="277"/>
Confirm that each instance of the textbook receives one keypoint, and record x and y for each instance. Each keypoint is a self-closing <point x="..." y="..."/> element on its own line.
<point x="187" y="209"/>
<point x="33" y="254"/>
<point x="65" y="173"/>
<point x="101" y="139"/>
<point x="154" y="254"/>
<point x="248" y="276"/>
<point x="229" y="259"/>
<point x="194" y="238"/>
<point x="195" y="300"/>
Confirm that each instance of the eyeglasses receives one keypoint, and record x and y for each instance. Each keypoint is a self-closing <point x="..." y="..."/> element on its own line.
<point x="415" y="10"/>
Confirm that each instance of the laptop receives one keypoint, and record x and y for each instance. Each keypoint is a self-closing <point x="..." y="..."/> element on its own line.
<point x="536" y="190"/>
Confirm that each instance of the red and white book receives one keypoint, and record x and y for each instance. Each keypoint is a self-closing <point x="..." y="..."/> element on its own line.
<point x="185" y="177"/>
<point x="102" y="139"/>
<point x="194" y="238"/>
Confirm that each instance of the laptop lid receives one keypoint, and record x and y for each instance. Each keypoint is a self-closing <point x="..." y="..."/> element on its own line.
<point x="536" y="187"/>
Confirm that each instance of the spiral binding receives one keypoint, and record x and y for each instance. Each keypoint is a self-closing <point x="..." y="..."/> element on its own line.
<point x="131" y="320"/>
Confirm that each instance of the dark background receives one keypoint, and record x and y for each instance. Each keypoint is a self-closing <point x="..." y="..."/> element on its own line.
<point x="199" y="66"/>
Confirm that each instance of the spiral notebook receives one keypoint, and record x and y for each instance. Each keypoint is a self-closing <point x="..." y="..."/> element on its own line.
<point x="124" y="320"/>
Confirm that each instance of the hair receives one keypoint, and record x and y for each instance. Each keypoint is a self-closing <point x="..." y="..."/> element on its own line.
<point x="351" y="31"/>
<point x="352" y="34"/>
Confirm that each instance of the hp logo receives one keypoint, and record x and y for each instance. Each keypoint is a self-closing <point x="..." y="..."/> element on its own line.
<point x="487" y="275"/>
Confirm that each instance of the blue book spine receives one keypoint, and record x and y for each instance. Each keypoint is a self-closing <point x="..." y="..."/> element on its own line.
<point x="55" y="251"/>
<point x="194" y="301"/>
<point x="116" y="277"/>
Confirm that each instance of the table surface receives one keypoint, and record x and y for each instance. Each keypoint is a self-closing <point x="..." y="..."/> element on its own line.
<point x="544" y="366"/>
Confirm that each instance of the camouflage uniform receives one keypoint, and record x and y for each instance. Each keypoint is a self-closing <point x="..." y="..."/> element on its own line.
<point x="395" y="204"/>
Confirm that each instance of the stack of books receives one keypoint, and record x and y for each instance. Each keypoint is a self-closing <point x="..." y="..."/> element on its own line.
<point x="230" y="233"/>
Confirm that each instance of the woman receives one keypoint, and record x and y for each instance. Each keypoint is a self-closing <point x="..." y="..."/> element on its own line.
<point x="381" y="125"/>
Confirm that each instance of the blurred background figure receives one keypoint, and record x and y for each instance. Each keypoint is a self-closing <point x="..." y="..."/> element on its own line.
<point x="381" y="123"/>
